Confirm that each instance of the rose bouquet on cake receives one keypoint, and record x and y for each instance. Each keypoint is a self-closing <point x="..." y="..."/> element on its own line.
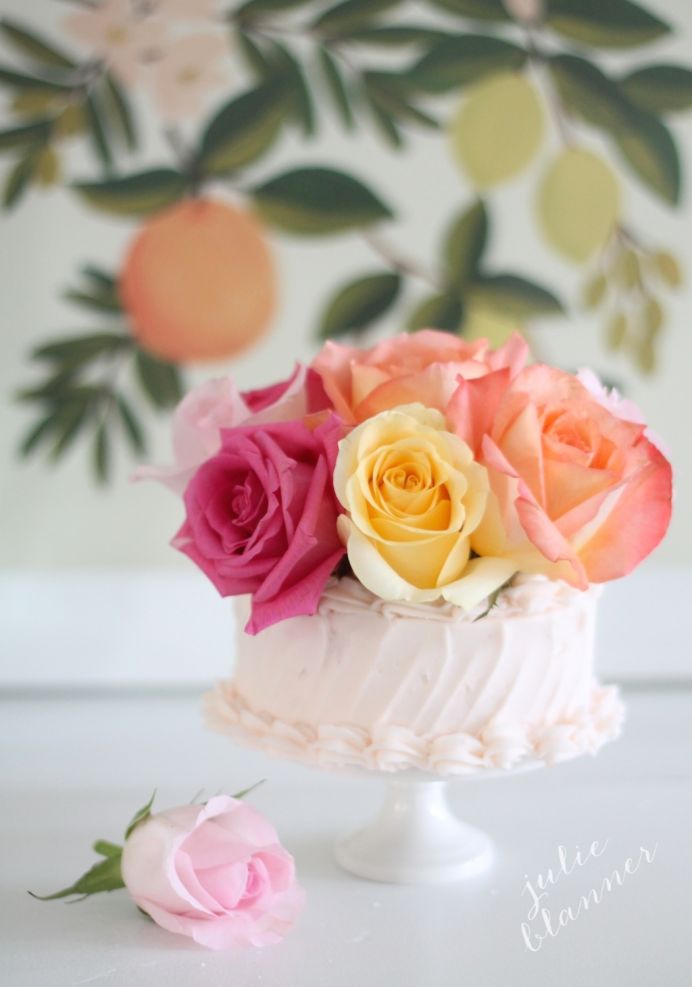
<point x="427" y="467"/>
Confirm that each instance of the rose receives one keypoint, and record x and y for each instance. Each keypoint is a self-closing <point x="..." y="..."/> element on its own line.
<point x="261" y="516"/>
<point x="620" y="406"/>
<point x="577" y="492"/>
<point x="414" y="496"/>
<point x="215" y="872"/>
<point x="421" y="366"/>
<point x="217" y="404"/>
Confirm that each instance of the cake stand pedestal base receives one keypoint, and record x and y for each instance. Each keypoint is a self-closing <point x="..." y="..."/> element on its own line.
<point x="415" y="839"/>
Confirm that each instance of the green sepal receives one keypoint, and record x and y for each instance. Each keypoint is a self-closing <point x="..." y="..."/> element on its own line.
<point x="493" y="598"/>
<point x="246" y="791"/>
<point x="103" y="876"/>
<point x="140" y="815"/>
<point x="107" y="849"/>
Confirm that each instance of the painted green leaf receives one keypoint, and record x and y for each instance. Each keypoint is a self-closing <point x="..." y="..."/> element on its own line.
<point x="294" y="87"/>
<point x="350" y="15"/>
<point x="82" y="349"/>
<point x="243" y="130"/>
<point x="644" y="140"/>
<point x="31" y="83"/>
<point x="461" y="59"/>
<point x="257" y="7"/>
<point x="19" y="179"/>
<point x="588" y="92"/>
<point x="465" y="243"/>
<point x="659" y="88"/>
<point x="515" y="297"/>
<point x="131" y="426"/>
<point x="253" y="54"/>
<point x="71" y="417"/>
<point x="391" y="93"/>
<point x="318" y="201"/>
<point x="102" y="465"/>
<point x="100" y="279"/>
<point x="160" y="380"/>
<point x="482" y="10"/>
<point x="28" y="133"/>
<point x="119" y="110"/>
<point x="97" y="131"/>
<point x="384" y="122"/>
<point x="611" y="24"/>
<point x="649" y="149"/>
<point x="135" y="195"/>
<point x="57" y="387"/>
<point x="359" y="303"/>
<point x="37" y="435"/>
<point x="442" y="311"/>
<point x="396" y="35"/>
<point x="108" y="303"/>
<point x="336" y="86"/>
<point x="29" y="43"/>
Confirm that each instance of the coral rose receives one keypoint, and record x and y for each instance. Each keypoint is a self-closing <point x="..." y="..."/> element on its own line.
<point x="414" y="496"/>
<point x="218" y="404"/>
<point x="261" y="517"/>
<point x="215" y="872"/>
<point x="578" y="492"/>
<point x="421" y="366"/>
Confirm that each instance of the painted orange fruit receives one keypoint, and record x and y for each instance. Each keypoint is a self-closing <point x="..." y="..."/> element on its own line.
<point x="199" y="282"/>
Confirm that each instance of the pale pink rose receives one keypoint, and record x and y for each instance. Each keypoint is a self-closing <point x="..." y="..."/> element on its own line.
<point x="261" y="516"/>
<point x="114" y="31"/>
<point x="187" y="71"/>
<point x="576" y="492"/>
<point x="415" y="367"/>
<point x="215" y="872"/>
<point x="218" y="404"/>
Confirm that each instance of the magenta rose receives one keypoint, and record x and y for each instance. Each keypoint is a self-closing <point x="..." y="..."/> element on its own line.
<point x="215" y="872"/>
<point x="261" y="517"/>
<point x="217" y="404"/>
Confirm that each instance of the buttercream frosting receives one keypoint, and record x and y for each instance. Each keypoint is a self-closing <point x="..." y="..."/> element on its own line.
<point x="389" y="686"/>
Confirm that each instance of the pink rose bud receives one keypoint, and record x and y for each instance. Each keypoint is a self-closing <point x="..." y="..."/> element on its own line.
<point x="215" y="872"/>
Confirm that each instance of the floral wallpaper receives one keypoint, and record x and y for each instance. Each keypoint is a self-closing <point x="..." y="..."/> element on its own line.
<point x="497" y="82"/>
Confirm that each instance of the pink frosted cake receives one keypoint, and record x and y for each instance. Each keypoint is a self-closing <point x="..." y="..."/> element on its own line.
<point x="417" y="533"/>
<point x="391" y="685"/>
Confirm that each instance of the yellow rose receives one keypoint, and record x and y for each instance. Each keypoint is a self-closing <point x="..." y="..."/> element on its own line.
<point x="414" y="495"/>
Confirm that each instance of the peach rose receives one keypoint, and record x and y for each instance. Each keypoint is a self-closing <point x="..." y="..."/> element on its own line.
<point x="414" y="496"/>
<point x="421" y="366"/>
<point x="578" y="493"/>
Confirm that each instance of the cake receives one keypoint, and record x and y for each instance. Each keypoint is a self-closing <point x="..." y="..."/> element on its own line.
<point x="390" y="685"/>
<point x="416" y="534"/>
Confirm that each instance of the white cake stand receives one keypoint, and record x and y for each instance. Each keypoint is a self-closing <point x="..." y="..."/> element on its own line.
<point x="416" y="838"/>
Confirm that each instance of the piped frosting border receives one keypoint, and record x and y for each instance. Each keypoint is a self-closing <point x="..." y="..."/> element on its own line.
<point x="500" y="746"/>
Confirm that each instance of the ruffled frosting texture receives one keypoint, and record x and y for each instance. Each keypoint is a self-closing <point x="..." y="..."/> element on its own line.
<point x="499" y="746"/>
<point x="392" y="686"/>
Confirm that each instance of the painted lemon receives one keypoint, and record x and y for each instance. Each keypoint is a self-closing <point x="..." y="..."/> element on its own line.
<point x="199" y="282"/>
<point x="484" y="322"/>
<point x="578" y="203"/>
<point x="497" y="129"/>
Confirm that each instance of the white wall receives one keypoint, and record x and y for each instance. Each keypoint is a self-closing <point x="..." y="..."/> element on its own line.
<point x="58" y="519"/>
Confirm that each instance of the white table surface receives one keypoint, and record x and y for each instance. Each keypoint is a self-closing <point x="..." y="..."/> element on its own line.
<point x="75" y="769"/>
